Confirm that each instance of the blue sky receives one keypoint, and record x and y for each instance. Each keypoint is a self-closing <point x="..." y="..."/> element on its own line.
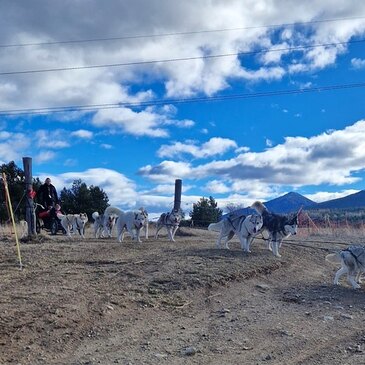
<point x="238" y="149"/>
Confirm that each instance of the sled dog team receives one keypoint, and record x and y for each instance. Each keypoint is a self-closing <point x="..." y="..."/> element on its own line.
<point x="133" y="222"/>
<point x="274" y="229"/>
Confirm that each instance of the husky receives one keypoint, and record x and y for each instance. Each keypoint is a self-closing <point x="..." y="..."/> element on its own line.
<point x="74" y="222"/>
<point x="246" y="228"/>
<point x="23" y="228"/>
<point x="110" y="214"/>
<point x="99" y="224"/>
<point x="132" y="221"/>
<point x="145" y="225"/>
<point x="352" y="261"/>
<point x="171" y="221"/>
<point x="276" y="226"/>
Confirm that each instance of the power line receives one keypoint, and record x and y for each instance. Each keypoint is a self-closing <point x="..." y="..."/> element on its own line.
<point x="94" y="107"/>
<point x="134" y="63"/>
<point x="175" y="33"/>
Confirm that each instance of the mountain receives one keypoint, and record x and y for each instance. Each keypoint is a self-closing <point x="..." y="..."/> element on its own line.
<point x="356" y="200"/>
<point x="290" y="202"/>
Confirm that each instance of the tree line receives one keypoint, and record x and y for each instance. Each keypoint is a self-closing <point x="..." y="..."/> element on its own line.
<point x="86" y="199"/>
<point x="79" y="198"/>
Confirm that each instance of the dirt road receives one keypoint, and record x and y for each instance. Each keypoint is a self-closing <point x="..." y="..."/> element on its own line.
<point x="100" y="302"/>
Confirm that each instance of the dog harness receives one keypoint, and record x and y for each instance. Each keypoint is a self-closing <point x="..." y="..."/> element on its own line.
<point x="166" y="218"/>
<point x="356" y="257"/>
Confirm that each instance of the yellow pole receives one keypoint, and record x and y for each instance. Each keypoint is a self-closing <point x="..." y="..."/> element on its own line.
<point x="12" y="219"/>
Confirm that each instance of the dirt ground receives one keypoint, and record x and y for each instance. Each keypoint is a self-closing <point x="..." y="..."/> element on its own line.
<point x="101" y="302"/>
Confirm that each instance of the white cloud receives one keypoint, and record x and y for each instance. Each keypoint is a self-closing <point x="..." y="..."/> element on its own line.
<point x="44" y="156"/>
<point x="106" y="146"/>
<point x="358" y="63"/>
<point x="322" y="196"/>
<point x="328" y="158"/>
<point x="215" y="146"/>
<point x="12" y="146"/>
<point x="55" y="139"/>
<point x="120" y="190"/>
<point x="205" y="76"/>
<point x="82" y="133"/>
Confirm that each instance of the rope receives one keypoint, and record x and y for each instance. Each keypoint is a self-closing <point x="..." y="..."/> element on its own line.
<point x="12" y="219"/>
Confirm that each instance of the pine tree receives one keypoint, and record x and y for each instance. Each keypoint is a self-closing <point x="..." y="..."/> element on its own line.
<point x="205" y="211"/>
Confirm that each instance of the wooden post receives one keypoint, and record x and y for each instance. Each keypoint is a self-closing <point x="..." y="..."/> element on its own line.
<point x="29" y="204"/>
<point x="177" y="199"/>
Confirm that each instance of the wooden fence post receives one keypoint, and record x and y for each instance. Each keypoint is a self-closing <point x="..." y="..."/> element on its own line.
<point x="29" y="193"/>
<point x="177" y="199"/>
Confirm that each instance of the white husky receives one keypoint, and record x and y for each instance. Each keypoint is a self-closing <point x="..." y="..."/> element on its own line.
<point x="352" y="261"/>
<point x="278" y="227"/>
<point x="110" y="213"/>
<point x="246" y="228"/>
<point x="171" y="221"/>
<point x="132" y="221"/>
<point x="23" y="228"/>
<point x="74" y="222"/>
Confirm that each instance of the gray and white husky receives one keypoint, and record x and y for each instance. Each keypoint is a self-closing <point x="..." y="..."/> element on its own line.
<point x="352" y="260"/>
<point x="245" y="227"/>
<point x="276" y="227"/>
<point x="101" y="223"/>
<point x="170" y="221"/>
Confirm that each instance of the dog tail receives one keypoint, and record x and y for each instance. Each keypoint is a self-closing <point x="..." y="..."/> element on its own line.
<point x="215" y="227"/>
<point x="334" y="258"/>
<point x="95" y="215"/>
<point x="259" y="207"/>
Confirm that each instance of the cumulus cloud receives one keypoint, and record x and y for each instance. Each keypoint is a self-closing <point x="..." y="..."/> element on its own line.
<point x="44" y="156"/>
<point x="358" y="63"/>
<point x="12" y="146"/>
<point x="120" y="190"/>
<point x="124" y="85"/>
<point x="51" y="139"/>
<point x="329" y="158"/>
<point x="215" y="146"/>
<point x="82" y="133"/>
<point x="322" y="196"/>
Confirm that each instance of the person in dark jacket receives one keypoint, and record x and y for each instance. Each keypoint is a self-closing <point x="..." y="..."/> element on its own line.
<point x="48" y="197"/>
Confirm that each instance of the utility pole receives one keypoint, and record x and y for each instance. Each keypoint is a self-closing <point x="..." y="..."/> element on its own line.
<point x="29" y="204"/>
<point x="177" y="199"/>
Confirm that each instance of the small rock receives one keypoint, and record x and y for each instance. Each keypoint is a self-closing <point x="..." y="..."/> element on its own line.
<point x="347" y="316"/>
<point x="188" y="351"/>
<point x="328" y="318"/>
<point x="263" y="286"/>
<point x="161" y="356"/>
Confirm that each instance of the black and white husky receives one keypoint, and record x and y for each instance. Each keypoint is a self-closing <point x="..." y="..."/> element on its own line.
<point x="246" y="228"/>
<point x="278" y="227"/>
<point x="352" y="260"/>
<point x="170" y="221"/>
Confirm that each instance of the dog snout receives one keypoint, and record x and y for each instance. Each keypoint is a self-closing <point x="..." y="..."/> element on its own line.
<point x="254" y="230"/>
<point x="294" y="233"/>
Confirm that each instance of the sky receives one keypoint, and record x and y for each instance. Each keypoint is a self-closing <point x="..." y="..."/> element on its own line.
<point x="243" y="100"/>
